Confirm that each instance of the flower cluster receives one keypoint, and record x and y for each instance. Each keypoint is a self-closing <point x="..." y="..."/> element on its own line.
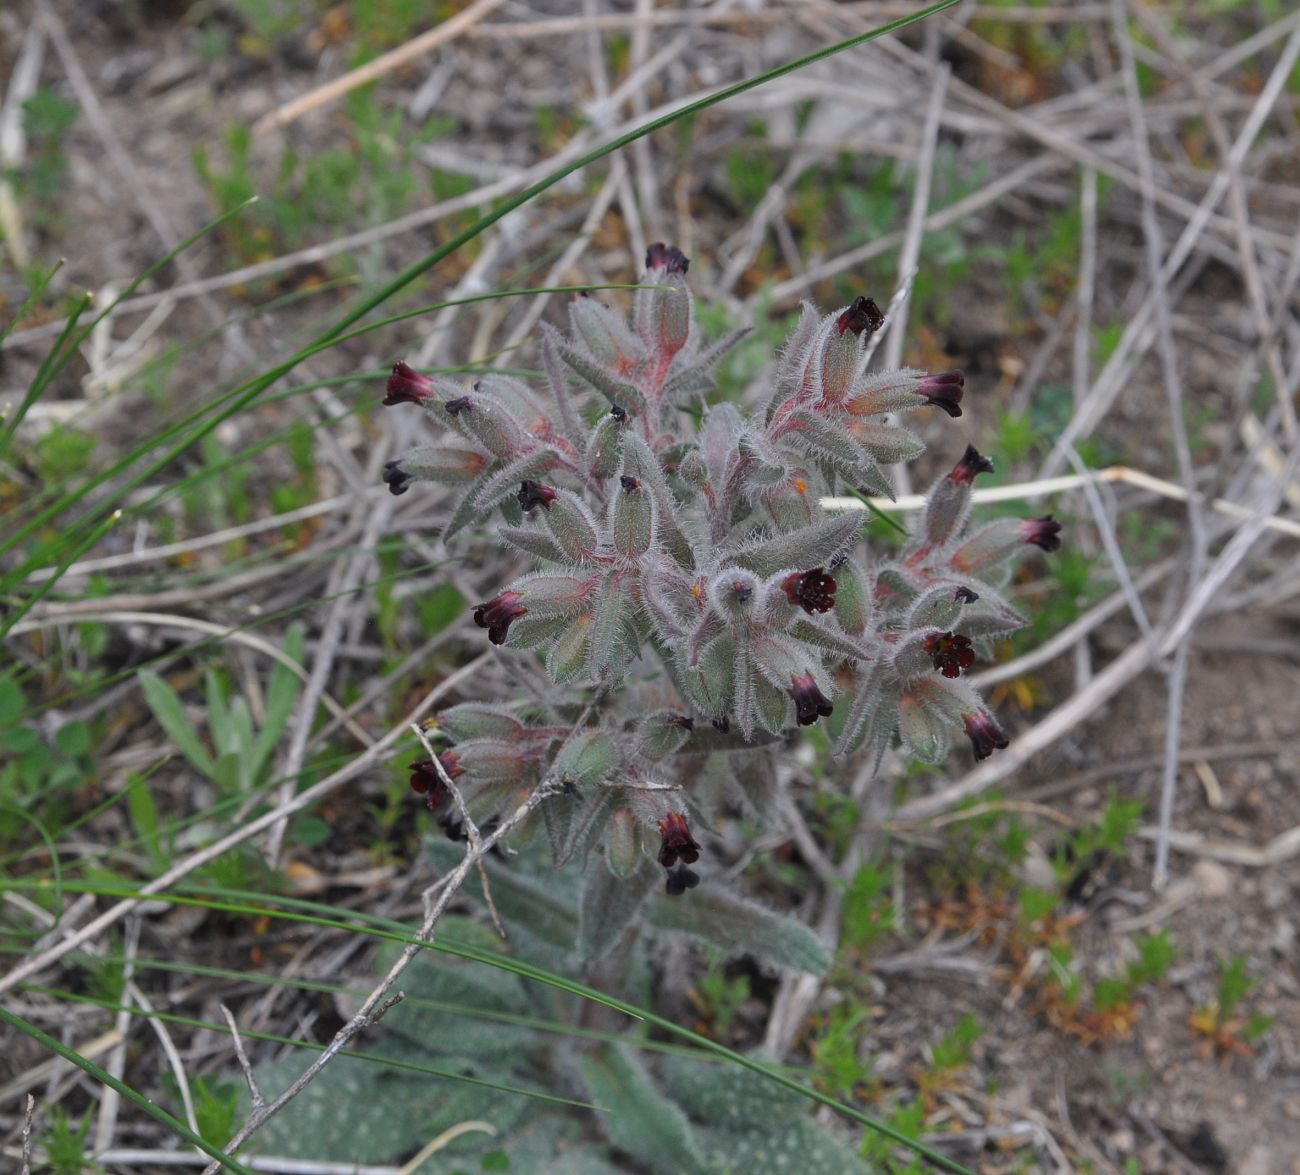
<point x="691" y="549"/>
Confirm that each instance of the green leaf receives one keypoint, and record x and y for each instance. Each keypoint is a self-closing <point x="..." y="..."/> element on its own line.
<point x="736" y="924"/>
<point x="144" y="817"/>
<point x="280" y="697"/>
<point x="637" y="1118"/>
<point x="609" y="906"/>
<point x="169" y="712"/>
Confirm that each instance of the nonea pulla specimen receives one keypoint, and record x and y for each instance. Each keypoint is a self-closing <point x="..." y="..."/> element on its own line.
<point x="683" y="563"/>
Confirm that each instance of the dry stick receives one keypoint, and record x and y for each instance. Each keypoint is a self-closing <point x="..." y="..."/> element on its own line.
<point x="201" y="857"/>
<point x="1177" y="677"/>
<point x="450" y="885"/>
<point x="221" y="631"/>
<point x="1040" y="487"/>
<point x="1249" y="265"/>
<point x="23" y="82"/>
<point x="1101" y="689"/>
<point x="60" y="611"/>
<point x="143" y="1159"/>
<point x="1136" y="337"/>
<point x="29" y="1114"/>
<point x="990" y="193"/>
<point x="1111" y="545"/>
<point x="642" y="157"/>
<point x="567" y="260"/>
<point x="1063" y="143"/>
<point x="425" y="216"/>
<point x="776" y="14"/>
<point x="910" y="253"/>
<point x="158" y="220"/>
<point x="345" y="596"/>
<point x="1115" y="676"/>
<point x="601" y="112"/>
<point x="750" y="238"/>
<point x="395" y="58"/>
<point x="217" y="538"/>
<point x="254" y="1091"/>
<point x="1087" y="282"/>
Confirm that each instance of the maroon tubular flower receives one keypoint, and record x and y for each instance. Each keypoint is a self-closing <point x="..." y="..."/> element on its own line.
<point x="721" y="725"/>
<point x="984" y="734"/>
<point x="498" y="614"/>
<point x="944" y="391"/>
<point x="678" y="844"/>
<point x="682" y="722"/>
<point x="666" y="257"/>
<point x="397" y="479"/>
<point x="950" y="651"/>
<point x="680" y="880"/>
<point x="809" y="702"/>
<point x="813" y="591"/>
<point x="1043" y="532"/>
<point x="456" y="407"/>
<point x="533" y="494"/>
<point x="631" y="484"/>
<point x="863" y="315"/>
<point x="963" y="595"/>
<point x="407" y="386"/>
<point x="972" y="462"/>
<point x="426" y="780"/>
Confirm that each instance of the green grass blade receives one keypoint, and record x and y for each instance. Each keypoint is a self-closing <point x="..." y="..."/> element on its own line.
<point x="37" y="290"/>
<point x="105" y="1078"/>
<point x="287" y="909"/>
<point x="244" y="395"/>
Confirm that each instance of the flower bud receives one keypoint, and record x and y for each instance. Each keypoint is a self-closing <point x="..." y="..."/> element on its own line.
<point x="733" y="592"/>
<point x="809" y="701"/>
<point x="622" y="843"/>
<point x="944" y="391"/>
<point x="407" y="386"/>
<point x="1042" y="532"/>
<point x="662" y="259"/>
<point x="532" y="494"/>
<point x="498" y="614"/>
<point x="984" y="734"/>
<point x="973" y="462"/>
<point x="676" y="842"/>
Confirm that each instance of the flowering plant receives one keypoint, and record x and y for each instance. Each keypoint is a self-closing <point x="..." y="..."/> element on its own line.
<point x="684" y="564"/>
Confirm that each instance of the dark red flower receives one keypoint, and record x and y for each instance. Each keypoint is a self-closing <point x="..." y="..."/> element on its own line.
<point x="971" y="463"/>
<point x="1043" y="532"/>
<point x="678" y="844"/>
<point x="950" y="651"/>
<point x="943" y="391"/>
<point x="863" y="315"/>
<point x="984" y="734"/>
<point x="681" y="879"/>
<point x="721" y="725"/>
<point x="666" y="257"/>
<point x="809" y="701"/>
<point x="456" y="407"/>
<point x="397" y="479"/>
<point x="813" y="591"/>
<point x="963" y="595"/>
<point x="426" y="780"/>
<point x="682" y="722"/>
<point x="407" y="386"/>
<point x="631" y="484"/>
<point x="533" y="494"/>
<point x="498" y="614"/>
